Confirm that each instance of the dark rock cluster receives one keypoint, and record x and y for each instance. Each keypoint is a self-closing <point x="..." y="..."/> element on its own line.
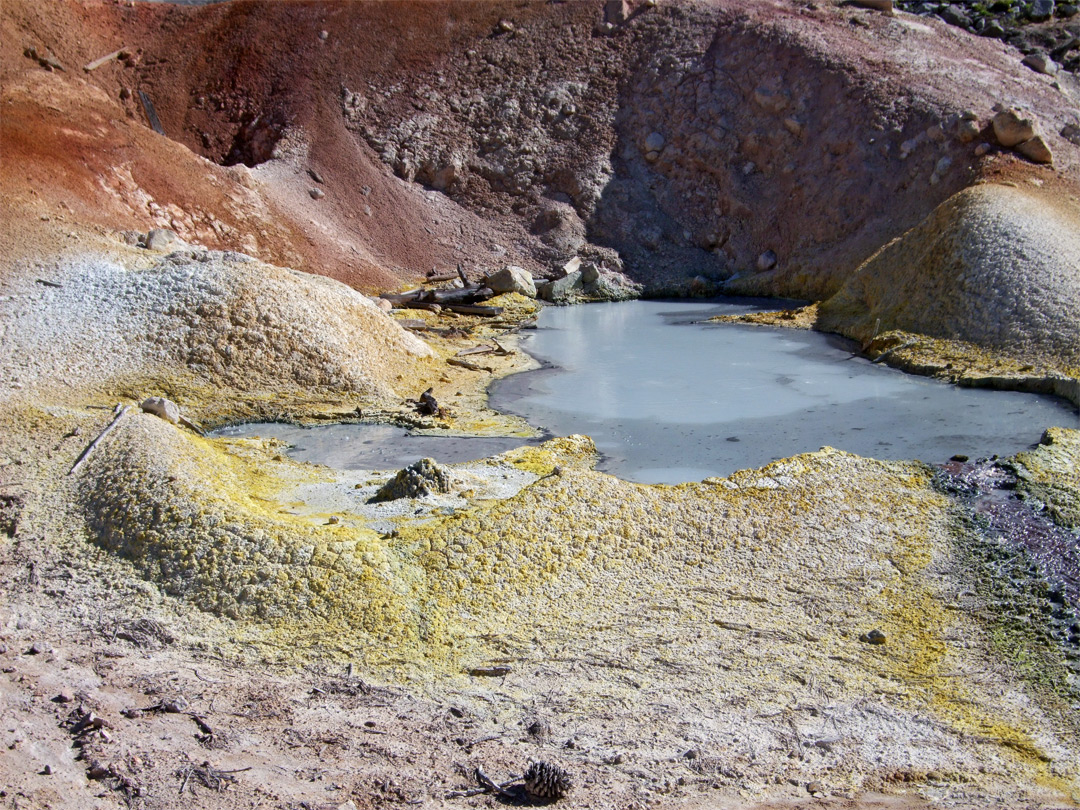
<point x="1045" y="31"/>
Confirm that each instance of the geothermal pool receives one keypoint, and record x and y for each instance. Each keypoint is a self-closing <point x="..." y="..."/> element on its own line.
<point x="669" y="399"/>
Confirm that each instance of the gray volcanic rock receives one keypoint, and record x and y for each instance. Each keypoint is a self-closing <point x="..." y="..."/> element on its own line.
<point x="994" y="265"/>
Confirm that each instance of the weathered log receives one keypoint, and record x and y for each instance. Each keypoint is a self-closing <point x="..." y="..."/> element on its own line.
<point x="471" y="310"/>
<point x="455" y="361"/>
<point x="103" y="60"/>
<point x="456" y="296"/>
<point x="421" y="305"/>
<point x="401" y="298"/>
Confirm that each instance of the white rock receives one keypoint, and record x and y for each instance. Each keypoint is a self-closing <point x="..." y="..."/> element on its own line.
<point x="165" y="408"/>
<point x="654" y="142"/>
<point x="512" y="278"/>
<point x="160" y="239"/>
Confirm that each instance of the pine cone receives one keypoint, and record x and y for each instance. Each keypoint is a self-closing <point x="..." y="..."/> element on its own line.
<point x="546" y="781"/>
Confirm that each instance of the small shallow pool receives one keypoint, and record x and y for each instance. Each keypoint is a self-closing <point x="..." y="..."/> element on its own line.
<point x="669" y="399"/>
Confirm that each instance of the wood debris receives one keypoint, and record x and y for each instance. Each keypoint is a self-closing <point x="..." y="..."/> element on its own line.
<point x="120" y="53"/>
<point x="119" y="414"/>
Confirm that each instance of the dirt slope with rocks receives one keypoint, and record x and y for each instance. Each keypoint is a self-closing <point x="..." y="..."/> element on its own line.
<point x="204" y="621"/>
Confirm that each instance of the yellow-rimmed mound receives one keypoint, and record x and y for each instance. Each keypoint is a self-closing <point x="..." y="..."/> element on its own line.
<point x="754" y="589"/>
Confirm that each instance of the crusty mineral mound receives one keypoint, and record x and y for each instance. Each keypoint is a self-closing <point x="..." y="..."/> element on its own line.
<point x="222" y="321"/>
<point x="994" y="265"/>
<point x="418" y="480"/>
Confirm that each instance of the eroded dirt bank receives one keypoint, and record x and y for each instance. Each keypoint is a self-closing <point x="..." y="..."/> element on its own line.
<point x="249" y="631"/>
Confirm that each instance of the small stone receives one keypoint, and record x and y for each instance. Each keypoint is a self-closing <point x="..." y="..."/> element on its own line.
<point x="982" y="149"/>
<point x="954" y="15"/>
<point x="768" y="100"/>
<point x="1010" y="129"/>
<point x="958" y="457"/>
<point x="47" y="770"/>
<point x="993" y="30"/>
<point x="333" y="520"/>
<point x="316" y="193"/>
<point x="967" y="131"/>
<point x="64" y="697"/>
<point x="160" y="239"/>
<point x="383" y="304"/>
<point x="324" y="35"/>
<point x="942" y="165"/>
<point x="652" y="157"/>
<point x="766" y="261"/>
<point x="794" y="126"/>
<point x="512" y="278"/>
<point x="1071" y="133"/>
<point x="654" y="142"/>
<point x="162" y="407"/>
<point x="1040" y="63"/>
<point x="505" y="26"/>
<point x="1041" y="10"/>
<point x="1036" y="150"/>
<point x="590" y="273"/>
<point x="969" y="115"/>
<point x="616" y="11"/>
<point x="176" y="705"/>
<point x="814" y="788"/>
<point x="873" y="637"/>
<point x="935" y="133"/>
<point x="39" y="648"/>
<point x="1068" y="10"/>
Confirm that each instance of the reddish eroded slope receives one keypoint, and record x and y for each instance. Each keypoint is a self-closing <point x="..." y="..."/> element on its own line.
<point x="480" y="133"/>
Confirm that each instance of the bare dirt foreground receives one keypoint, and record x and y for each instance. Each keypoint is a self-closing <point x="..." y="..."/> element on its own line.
<point x="189" y="621"/>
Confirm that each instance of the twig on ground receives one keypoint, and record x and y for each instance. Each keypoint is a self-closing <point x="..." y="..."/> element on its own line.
<point x="120" y="410"/>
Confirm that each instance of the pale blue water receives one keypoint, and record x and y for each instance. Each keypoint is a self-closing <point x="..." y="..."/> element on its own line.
<point x="668" y="399"/>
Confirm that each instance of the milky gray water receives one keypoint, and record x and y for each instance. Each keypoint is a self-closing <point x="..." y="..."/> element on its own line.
<point x="668" y="399"/>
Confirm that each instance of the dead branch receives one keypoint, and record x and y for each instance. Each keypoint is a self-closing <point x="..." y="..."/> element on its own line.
<point x="454" y="361"/>
<point x="90" y="66"/>
<point x="119" y="411"/>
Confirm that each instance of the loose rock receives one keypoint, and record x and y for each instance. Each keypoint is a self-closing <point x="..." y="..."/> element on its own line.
<point x="1036" y="150"/>
<point x="160" y="406"/>
<point x="654" y="142"/>
<point x="160" y="239"/>
<point x="767" y="260"/>
<point x="512" y="278"/>
<point x="1040" y="63"/>
<point x="1010" y="129"/>
<point x="418" y="480"/>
